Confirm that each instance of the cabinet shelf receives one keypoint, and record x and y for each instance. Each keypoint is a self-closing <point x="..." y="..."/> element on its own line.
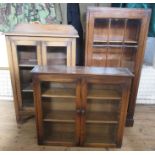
<point x="102" y="117"/>
<point x="29" y="62"/>
<point x="106" y="45"/>
<point x="102" y="40"/>
<point x="60" y="116"/>
<point x="27" y="88"/>
<point x="27" y="65"/>
<point x="103" y="94"/>
<point x="64" y="93"/>
<point x="56" y="132"/>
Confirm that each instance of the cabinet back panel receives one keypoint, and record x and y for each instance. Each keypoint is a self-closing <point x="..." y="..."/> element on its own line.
<point x="100" y="133"/>
<point x="102" y="105"/>
<point x="128" y="58"/>
<point x="25" y="76"/>
<point x="114" y="57"/>
<point x="56" y="55"/>
<point x="117" y="27"/>
<point x="27" y="99"/>
<point x="101" y="29"/>
<point x="59" y="132"/>
<point x="51" y="104"/>
<point x="27" y="54"/>
<point x="132" y="30"/>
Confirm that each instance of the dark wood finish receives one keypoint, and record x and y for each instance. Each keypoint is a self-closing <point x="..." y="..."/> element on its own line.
<point x="91" y="114"/>
<point x="36" y="44"/>
<point x="116" y="37"/>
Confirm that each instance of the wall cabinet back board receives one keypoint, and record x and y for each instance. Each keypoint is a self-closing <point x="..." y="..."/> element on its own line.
<point x="116" y="37"/>
<point x="36" y="44"/>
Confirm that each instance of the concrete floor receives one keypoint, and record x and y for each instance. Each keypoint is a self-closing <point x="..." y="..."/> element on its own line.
<point x="23" y="137"/>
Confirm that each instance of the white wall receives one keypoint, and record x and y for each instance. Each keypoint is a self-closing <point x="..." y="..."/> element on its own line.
<point x="3" y="56"/>
<point x="5" y="80"/>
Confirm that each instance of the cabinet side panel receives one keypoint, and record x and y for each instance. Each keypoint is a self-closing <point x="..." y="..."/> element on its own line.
<point x="12" y="73"/>
<point x="138" y="65"/>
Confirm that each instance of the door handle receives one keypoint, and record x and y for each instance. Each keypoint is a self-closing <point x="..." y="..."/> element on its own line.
<point x="80" y="111"/>
<point x="83" y="111"/>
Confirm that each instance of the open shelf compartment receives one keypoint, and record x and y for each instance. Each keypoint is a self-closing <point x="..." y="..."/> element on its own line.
<point x="26" y="87"/>
<point x="59" y="132"/>
<point x="116" y="32"/>
<point x="107" y="92"/>
<point x="56" y="89"/>
<point x="100" y="133"/>
<point x="102" y="111"/>
<point x="59" y="109"/>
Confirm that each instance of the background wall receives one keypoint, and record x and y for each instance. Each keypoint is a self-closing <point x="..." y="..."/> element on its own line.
<point x="147" y="83"/>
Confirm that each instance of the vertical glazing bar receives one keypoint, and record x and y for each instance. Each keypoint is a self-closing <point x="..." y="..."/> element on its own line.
<point x="126" y="20"/>
<point x="123" y="44"/>
<point x="108" y="41"/>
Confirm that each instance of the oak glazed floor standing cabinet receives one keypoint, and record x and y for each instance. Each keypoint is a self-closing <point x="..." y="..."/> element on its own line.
<point x="81" y="106"/>
<point x="116" y="37"/>
<point x="36" y="44"/>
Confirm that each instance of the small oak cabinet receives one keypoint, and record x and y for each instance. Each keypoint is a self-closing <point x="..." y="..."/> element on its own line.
<point x="81" y="106"/>
<point x="116" y="37"/>
<point x="36" y="44"/>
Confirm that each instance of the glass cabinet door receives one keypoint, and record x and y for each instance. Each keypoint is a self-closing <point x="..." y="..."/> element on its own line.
<point x="57" y="53"/>
<point x="102" y="108"/>
<point x="60" y="119"/>
<point x="113" y="42"/>
<point x="26" y="54"/>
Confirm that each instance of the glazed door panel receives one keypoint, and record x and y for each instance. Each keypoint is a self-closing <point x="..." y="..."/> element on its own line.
<point x="57" y="53"/>
<point x="60" y="104"/>
<point x="101" y="113"/>
<point x="26" y="54"/>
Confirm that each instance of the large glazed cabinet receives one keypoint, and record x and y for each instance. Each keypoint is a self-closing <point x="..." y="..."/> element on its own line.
<point x="36" y="44"/>
<point x="81" y="106"/>
<point x="116" y="37"/>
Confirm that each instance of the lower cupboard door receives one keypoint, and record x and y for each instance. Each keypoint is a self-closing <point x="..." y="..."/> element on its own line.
<point x="100" y="134"/>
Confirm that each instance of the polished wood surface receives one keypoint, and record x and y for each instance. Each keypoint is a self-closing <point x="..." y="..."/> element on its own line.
<point x="89" y="102"/>
<point x="52" y="30"/>
<point x="36" y="44"/>
<point x="116" y="37"/>
<point x="81" y="70"/>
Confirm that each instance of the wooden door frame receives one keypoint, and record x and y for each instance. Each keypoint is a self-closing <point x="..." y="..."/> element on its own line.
<point x="37" y="88"/>
<point x="58" y="43"/>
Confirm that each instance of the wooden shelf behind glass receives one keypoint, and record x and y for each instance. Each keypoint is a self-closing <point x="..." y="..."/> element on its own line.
<point x="59" y="116"/>
<point x="27" y="88"/>
<point x="103" y="94"/>
<point x="102" y="117"/>
<point x="59" y="92"/>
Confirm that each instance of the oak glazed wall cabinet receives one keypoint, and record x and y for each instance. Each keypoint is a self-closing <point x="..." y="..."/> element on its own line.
<point x="116" y="37"/>
<point x="36" y="44"/>
<point x="81" y="106"/>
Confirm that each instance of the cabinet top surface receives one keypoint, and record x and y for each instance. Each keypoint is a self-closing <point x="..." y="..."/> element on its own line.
<point x="79" y="70"/>
<point x="54" y="30"/>
<point x="130" y="13"/>
<point x="118" y="9"/>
